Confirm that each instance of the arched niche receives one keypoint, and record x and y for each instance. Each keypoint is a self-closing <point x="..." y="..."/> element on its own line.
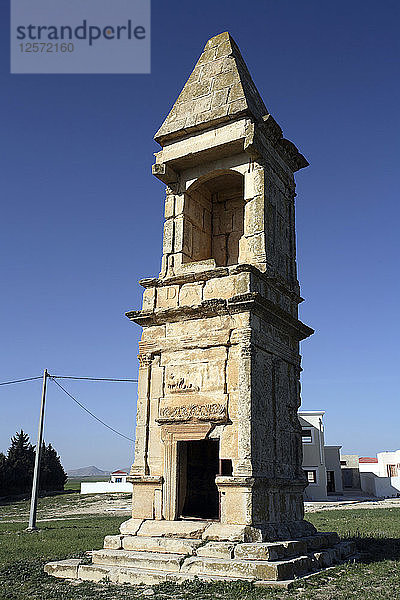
<point x="214" y="218"/>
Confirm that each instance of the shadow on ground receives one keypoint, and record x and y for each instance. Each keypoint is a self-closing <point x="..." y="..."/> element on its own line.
<point x="374" y="549"/>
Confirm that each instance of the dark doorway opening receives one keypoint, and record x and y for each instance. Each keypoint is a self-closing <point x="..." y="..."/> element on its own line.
<point x="330" y="482"/>
<point x="198" y="464"/>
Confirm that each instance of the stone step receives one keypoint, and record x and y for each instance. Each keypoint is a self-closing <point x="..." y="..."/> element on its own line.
<point x="321" y="540"/>
<point x="173" y="529"/>
<point x="63" y="568"/>
<point x="142" y="576"/>
<point x="164" y="545"/>
<point x="141" y="567"/>
<point x="216" y="550"/>
<point x="101" y="573"/>
<point x="152" y="544"/>
<point x="120" y="575"/>
<point x="250" y="569"/>
<point x="138" y="560"/>
<point x="327" y="557"/>
<point x="270" y="550"/>
<point x="192" y="529"/>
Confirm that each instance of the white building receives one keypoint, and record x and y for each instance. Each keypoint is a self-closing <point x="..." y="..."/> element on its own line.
<point x="380" y="476"/>
<point x="118" y="476"/>
<point x="367" y="464"/>
<point x="321" y="463"/>
<point x="117" y="484"/>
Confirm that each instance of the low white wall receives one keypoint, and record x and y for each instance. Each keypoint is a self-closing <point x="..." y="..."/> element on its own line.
<point x="381" y="487"/>
<point x="370" y="468"/>
<point x="105" y="487"/>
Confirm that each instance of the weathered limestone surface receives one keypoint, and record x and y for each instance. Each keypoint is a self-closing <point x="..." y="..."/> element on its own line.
<point x="156" y="544"/>
<point x="179" y="529"/>
<point x="216" y="550"/>
<point x="150" y="560"/>
<point x="113" y="542"/>
<point x="131" y="526"/>
<point x="219" y="355"/>
<point x="217" y="477"/>
<point x="231" y="533"/>
<point x="63" y="568"/>
<point x="141" y="560"/>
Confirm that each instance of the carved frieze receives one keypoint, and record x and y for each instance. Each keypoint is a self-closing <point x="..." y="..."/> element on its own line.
<point x="180" y="384"/>
<point x="214" y="411"/>
<point x="204" y="409"/>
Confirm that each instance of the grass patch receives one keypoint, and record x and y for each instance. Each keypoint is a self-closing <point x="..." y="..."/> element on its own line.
<point x="376" y="576"/>
<point x="74" y="483"/>
<point x="55" y="539"/>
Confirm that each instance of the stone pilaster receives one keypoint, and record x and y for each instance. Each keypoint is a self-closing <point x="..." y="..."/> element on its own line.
<point x="140" y="466"/>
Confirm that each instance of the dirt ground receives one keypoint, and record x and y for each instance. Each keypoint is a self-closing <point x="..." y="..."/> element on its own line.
<point x="344" y="503"/>
<point x="69" y="506"/>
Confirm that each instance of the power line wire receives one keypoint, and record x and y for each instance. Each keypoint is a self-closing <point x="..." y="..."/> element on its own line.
<point x="69" y="377"/>
<point x="20" y="380"/>
<point x="93" y="378"/>
<point x="88" y="411"/>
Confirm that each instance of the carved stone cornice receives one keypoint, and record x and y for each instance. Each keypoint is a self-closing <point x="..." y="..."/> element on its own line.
<point x="264" y="144"/>
<point x="252" y="301"/>
<point x="145" y="479"/>
<point x="276" y="282"/>
<point x="234" y="481"/>
<point x="176" y="432"/>
<point x="270" y="311"/>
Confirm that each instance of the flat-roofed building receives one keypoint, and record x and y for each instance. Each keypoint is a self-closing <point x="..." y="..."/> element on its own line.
<point x="321" y="463"/>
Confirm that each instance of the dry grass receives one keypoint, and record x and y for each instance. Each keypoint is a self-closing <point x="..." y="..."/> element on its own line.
<point x="375" y="576"/>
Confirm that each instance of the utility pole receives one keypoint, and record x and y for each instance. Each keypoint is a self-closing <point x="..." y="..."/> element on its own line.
<point x="36" y="472"/>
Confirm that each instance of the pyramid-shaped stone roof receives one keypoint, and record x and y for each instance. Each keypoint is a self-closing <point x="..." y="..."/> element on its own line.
<point x="219" y="89"/>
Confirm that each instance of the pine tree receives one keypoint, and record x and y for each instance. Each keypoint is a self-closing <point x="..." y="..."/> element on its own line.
<point x="52" y="474"/>
<point x="16" y="469"/>
<point x="3" y="473"/>
<point x="19" y="464"/>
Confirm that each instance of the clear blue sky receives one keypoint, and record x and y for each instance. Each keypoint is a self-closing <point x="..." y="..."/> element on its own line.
<point x="81" y="215"/>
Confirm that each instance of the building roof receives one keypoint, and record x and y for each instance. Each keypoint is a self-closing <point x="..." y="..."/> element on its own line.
<point x="119" y="472"/>
<point x="367" y="459"/>
<point x="219" y="89"/>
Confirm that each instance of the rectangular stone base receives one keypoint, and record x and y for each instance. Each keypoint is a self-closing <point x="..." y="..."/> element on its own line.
<point x="157" y="553"/>
<point x="119" y="575"/>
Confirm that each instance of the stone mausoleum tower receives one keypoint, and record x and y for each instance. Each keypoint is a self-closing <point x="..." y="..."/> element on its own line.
<point x="217" y="478"/>
<point x="217" y="433"/>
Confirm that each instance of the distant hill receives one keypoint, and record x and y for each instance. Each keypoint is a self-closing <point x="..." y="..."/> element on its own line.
<point x="87" y="472"/>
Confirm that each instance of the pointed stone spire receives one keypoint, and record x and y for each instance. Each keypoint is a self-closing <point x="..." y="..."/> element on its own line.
<point x="219" y="89"/>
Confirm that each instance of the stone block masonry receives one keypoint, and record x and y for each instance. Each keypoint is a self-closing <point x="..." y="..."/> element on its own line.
<point x="217" y="477"/>
<point x="156" y="553"/>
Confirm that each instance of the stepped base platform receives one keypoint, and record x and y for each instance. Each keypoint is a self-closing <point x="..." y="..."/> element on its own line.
<point x="151" y="552"/>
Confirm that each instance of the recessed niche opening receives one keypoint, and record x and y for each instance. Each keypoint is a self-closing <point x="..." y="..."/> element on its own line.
<point x="226" y="467"/>
<point x="198" y="465"/>
<point x="214" y="219"/>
